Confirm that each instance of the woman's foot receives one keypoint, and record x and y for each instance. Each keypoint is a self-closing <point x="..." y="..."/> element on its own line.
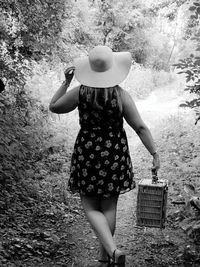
<point x="104" y="263"/>
<point x="104" y="260"/>
<point x="118" y="258"/>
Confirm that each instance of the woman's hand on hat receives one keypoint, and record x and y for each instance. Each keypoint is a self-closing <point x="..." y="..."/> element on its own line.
<point x="156" y="162"/>
<point x="69" y="74"/>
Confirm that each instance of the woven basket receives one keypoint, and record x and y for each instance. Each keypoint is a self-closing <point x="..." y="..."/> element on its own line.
<point x="152" y="202"/>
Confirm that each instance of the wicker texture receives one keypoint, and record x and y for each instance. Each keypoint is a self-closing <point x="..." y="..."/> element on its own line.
<point x="152" y="203"/>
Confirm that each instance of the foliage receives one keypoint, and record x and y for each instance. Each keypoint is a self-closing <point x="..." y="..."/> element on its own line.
<point x="191" y="65"/>
<point x="29" y="30"/>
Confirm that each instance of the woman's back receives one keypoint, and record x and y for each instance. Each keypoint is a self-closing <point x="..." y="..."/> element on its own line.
<point x="101" y="163"/>
<point x="100" y="108"/>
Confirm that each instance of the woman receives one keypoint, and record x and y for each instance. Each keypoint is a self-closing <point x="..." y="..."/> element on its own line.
<point x="101" y="166"/>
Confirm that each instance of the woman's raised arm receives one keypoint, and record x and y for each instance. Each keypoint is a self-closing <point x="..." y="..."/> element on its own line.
<point x="63" y="102"/>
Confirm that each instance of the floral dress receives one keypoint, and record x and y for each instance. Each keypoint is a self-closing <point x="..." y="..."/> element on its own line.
<point x="101" y="163"/>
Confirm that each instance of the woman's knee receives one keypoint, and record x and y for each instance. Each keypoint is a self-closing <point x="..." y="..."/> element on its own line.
<point x="109" y="203"/>
<point x="90" y="202"/>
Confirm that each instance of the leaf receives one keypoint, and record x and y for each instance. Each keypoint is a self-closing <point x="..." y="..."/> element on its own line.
<point x="197" y="62"/>
<point x="192" y="8"/>
<point x="183" y="106"/>
<point x="189" y="189"/>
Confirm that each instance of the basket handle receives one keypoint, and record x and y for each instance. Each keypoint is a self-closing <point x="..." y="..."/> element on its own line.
<point x="154" y="176"/>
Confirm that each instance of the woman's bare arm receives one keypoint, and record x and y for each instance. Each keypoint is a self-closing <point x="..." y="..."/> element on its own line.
<point x="63" y="102"/>
<point x="134" y="119"/>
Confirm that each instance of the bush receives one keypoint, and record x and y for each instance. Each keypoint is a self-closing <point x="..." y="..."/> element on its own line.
<point x="142" y="81"/>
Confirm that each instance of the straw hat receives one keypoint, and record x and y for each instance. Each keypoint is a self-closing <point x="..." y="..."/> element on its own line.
<point x="102" y="68"/>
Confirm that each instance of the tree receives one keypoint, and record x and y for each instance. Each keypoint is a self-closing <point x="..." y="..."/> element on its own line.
<point x="191" y="66"/>
<point x="29" y="30"/>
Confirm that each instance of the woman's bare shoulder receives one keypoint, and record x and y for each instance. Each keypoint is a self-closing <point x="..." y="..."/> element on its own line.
<point x="125" y="96"/>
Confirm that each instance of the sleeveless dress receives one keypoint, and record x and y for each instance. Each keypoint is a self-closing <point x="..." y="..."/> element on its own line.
<point x="101" y="163"/>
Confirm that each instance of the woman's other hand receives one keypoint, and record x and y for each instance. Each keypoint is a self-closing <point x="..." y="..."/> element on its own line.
<point x="156" y="162"/>
<point x="69" y="74"/>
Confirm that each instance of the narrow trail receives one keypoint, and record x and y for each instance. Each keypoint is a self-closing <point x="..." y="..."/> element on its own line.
<point x="158" y="107"/>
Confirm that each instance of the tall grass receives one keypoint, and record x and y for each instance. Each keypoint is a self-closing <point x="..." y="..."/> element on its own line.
<point x="142" y="81"/>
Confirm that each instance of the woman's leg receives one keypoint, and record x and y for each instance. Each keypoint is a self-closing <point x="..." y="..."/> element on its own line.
<point x="109" y="209"/>
<point x="92" y="207"/>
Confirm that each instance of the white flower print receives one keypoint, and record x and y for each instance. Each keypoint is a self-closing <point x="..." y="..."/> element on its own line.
<point x="88" y="144"/>
<point x="110" y="186"/>
<point x="111" y="134"/>
<point x="97" y="148"/>
<point x="116" y="157"/>
<point x="82" y="139"/>
<point x="124" y="148"/>
<point x="96" y="115"/>
<point x="85" y="116"/>
<point x="102" y="173"/>
<point x="81" y="158"/>
<point x="118" y="135"/>
<point x="90" y="188"/>
<point x="83" y="182"/>
<point x="106" y="153"/>
<point x="82" y="90"/>
<point x="123" y="158"/>
<point x="71" y="180"/>
<point x="78" y="166"/>
<point x="88" y="97"/>
<point x="102" y="154"/>
<point x="92" y="156"/>
<point x="100" y="191"/>
<point x="74" y="161"/>
<point x="98" y="165"/>
<point x="100" y="182"/>
<point x="99" y="139"/>
<point x="123" y="141"/>
<point x="114" y="166"/>
<point x="122" y="167"/>
<point x="73" y="168"/>
<point x="126" y="183"/>
<point x="88" y="163"/>
<point x="79" y="150"/>
<point x="92" y="135"/>
<point x="118" y="189"/>
<point x="93" y="178"/>
<point x="121" y="177"/>
<point x="114" y="103"/>
<point x="107" y="162"/>
<point x="108" y="143"/>
<point x="116" y="146"/>
<point x="84" y="171"/>
<point x="79" y="184"/>
<point x="114" y="177"/>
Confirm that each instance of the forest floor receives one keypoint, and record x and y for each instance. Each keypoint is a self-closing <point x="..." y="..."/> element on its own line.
<point x="57" y="234"/>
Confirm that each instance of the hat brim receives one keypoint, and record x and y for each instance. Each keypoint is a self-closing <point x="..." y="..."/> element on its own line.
<point x="114" y="76"/>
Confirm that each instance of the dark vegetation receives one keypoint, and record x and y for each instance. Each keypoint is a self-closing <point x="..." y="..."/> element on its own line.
<point x="33" y="201"/>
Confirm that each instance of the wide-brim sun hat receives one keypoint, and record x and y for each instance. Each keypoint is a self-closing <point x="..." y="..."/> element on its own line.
<point x="103" y="67"/>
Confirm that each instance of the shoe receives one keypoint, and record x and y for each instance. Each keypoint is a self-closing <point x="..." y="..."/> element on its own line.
<point x="119" y="258"/>
<point x="104" y="263"/>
